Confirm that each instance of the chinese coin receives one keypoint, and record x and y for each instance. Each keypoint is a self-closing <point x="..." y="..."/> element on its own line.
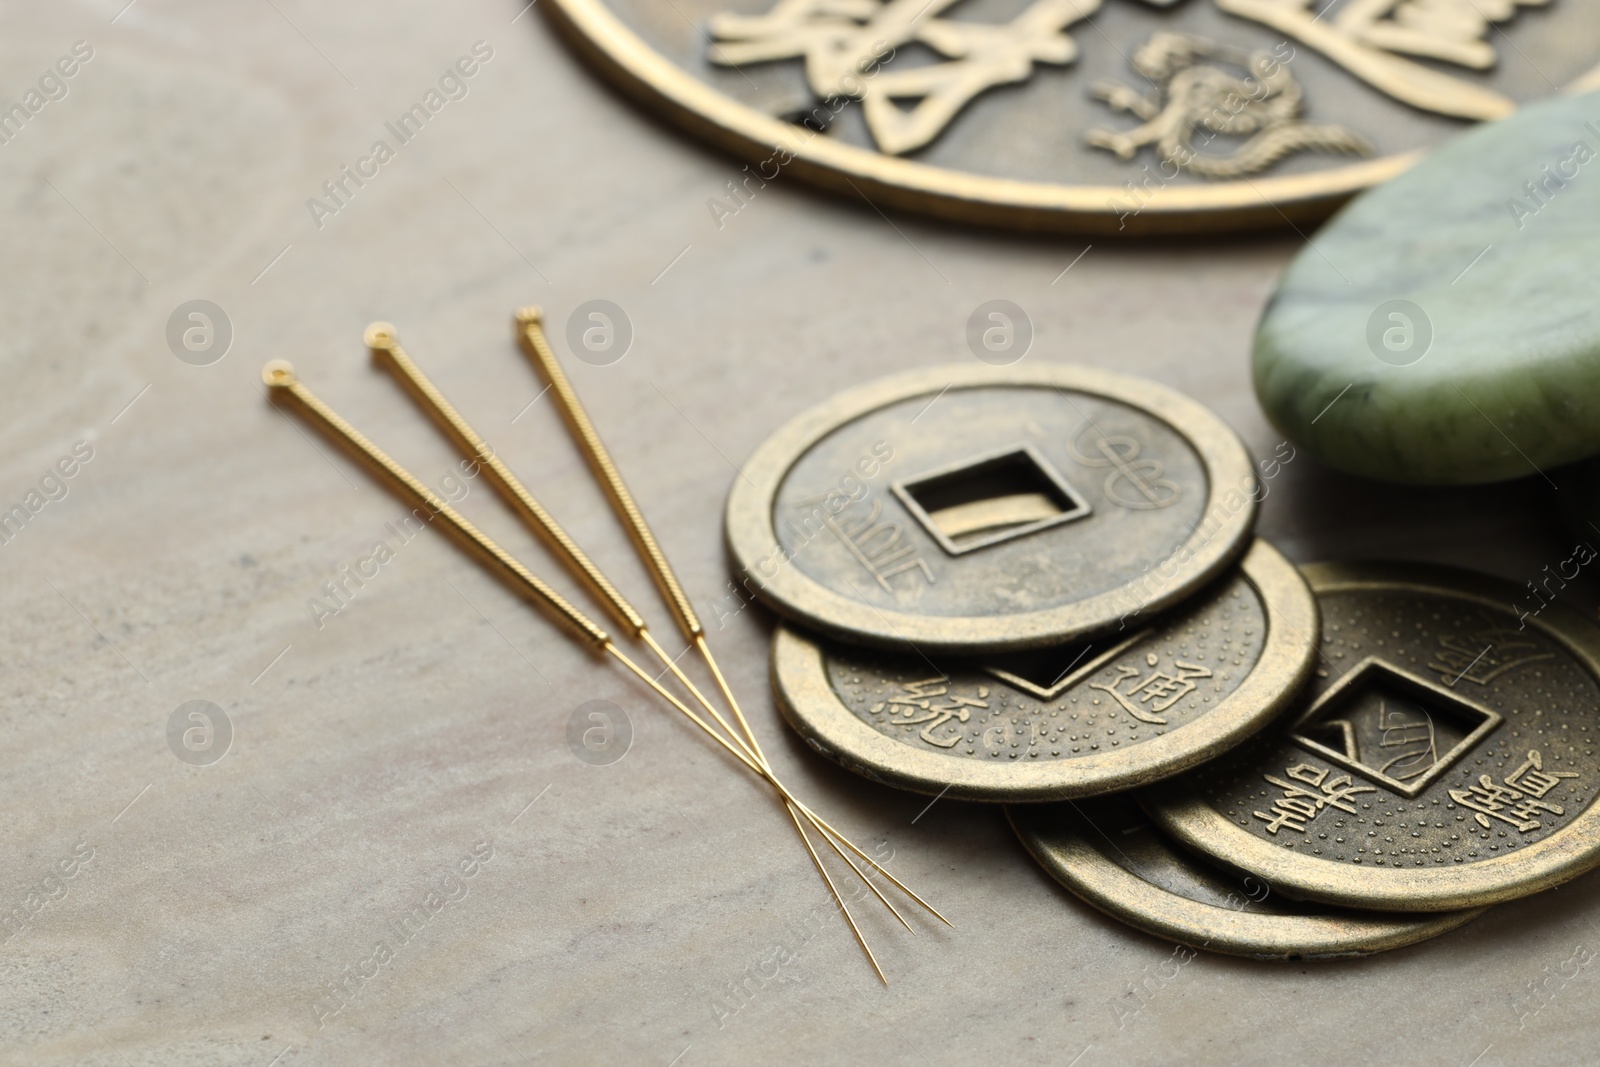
<point x="1106" y="851"/>
<point x="1444" y="756"/>
<point x="976" y="508"/>
<point x="1076" y="720"/>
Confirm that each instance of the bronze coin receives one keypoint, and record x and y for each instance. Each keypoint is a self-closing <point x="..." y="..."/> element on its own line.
<point x="973" y="509"/>
<point x="1107" y="852"/>
<point x="1444" y="757"/>
<point x="1079" y="720"/>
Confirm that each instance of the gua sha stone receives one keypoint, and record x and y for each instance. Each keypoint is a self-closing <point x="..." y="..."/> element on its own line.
<point x="1444" y="328"/>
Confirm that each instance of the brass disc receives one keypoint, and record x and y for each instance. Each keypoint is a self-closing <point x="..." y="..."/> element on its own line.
<point x="1074" y="721"/>
<point x="1100" y="116"/>
<point x="1445" y="756"/>
<point x="1106" y="851"/>
<point x="973" y="509"/>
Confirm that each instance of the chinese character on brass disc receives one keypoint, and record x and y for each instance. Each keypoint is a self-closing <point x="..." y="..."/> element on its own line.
<point x="1120" y="711"/>
<point x="1095" y="116"/>
<point x="1106" y="851"/>
<point x="1445" y="759"/>
<point x="979" y="509"/>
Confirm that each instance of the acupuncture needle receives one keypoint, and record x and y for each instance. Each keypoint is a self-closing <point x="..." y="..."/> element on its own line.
<point x="531" y="337"/>
<point x="384" y="342"/>
<point x="280" y="378"/>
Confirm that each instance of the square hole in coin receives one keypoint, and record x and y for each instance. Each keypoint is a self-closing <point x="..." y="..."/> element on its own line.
<point x="1393" y="726"/>
<point x="995" y="497"/>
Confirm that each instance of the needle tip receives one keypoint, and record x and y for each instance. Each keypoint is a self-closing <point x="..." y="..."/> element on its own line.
<point x="381" y="336"/>
<point x="278" y="374"/>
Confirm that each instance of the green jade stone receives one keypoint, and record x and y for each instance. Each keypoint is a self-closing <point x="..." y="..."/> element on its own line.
<point x="1444" y="328"/>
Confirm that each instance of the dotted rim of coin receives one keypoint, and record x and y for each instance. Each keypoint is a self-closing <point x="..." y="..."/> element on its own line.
<point x="808" y="702"/>
<point x="752" y="538"/>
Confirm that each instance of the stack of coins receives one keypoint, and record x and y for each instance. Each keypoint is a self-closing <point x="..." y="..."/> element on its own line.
<point x="1037" y="586"/>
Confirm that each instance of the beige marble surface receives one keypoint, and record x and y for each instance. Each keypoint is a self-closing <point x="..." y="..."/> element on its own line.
<point x="372" y="755"/>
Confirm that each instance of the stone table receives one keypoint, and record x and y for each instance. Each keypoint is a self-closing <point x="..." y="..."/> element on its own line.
<point x="213" y="908"/>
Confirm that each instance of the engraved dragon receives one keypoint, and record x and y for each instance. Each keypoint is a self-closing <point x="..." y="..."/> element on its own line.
<point x="1196" y="99"/>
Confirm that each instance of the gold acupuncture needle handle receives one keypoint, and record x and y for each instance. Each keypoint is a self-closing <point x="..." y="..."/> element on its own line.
<point x="531" y="337"/>
<point x="384" y="342"/>
<point x="280" y="379"/>
<point x="382" y="339"/>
